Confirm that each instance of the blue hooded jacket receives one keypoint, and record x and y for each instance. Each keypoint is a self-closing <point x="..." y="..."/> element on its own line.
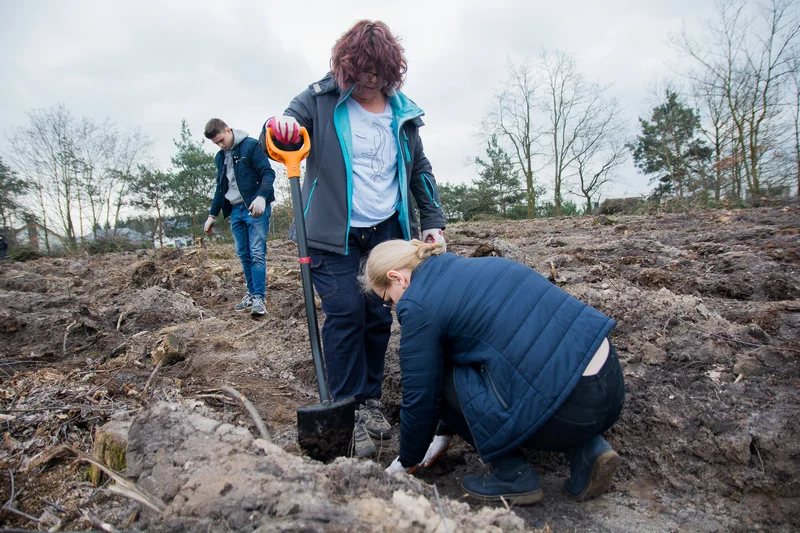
<point x="519" y="345"/>
<point x="254" y="176"/>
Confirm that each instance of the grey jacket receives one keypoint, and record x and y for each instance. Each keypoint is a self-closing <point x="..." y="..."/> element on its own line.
<point x="328" y="184"/>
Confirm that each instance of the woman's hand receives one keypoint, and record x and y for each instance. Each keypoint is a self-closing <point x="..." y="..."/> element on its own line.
<point x="285" y="129"/>
<point x="434" y="235"/>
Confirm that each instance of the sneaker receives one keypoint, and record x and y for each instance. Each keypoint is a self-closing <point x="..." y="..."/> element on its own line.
<point x="439" y="445"/>
<point x="362" y="443"/>
<point x="374" y="420"/>
<point x="245" y="304"/>
<point x="258" y="308"/>
<point x="591" y="469"/>
<point x="512" y="479"/>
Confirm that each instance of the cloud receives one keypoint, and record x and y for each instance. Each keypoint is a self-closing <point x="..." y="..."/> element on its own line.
<point x="150" y="64"/>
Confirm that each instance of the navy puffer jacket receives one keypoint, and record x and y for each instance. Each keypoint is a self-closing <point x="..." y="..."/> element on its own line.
<point x="519" y="345"/>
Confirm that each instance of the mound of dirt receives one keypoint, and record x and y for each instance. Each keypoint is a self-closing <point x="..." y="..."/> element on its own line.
<point x="155" y="307"/>
<point x="209" y="475"/>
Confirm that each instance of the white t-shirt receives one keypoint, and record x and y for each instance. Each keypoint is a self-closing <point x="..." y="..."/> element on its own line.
<point x="376" y="190"/>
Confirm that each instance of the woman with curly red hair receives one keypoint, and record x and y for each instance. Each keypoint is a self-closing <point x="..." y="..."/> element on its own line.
<point x="365" y="166"/>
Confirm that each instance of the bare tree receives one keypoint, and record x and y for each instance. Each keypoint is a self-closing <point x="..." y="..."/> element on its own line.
<point x="724" y="177"/>
<point x="123" y="154"/>
<point x="512" y="118"/>
<point x="44" y="153"/>
<point x="599" y="151"/>
<point x="577" y="113"/>
<point x="748" y="59"/>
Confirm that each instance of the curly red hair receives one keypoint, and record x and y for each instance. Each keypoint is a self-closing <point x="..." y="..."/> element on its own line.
<point x="365" y="46"/>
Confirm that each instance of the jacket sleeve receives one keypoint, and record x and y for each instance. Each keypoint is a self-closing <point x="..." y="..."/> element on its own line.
<point x="302" y="108"/>
<point x="264" y="169"/>
<point x="421" y="367"/>
<point x="216" y="203"/>
<point x="423" y="187"/>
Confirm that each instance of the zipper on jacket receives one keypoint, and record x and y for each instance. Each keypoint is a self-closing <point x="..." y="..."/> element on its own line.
<point x="405" y="144"/>
<point x="494" y="389"/>
<point x="308" y="203"/>
<point x="430" y="189"/>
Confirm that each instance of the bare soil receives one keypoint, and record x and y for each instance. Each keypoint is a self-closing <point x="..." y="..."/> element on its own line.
<point x="708" y="309"/>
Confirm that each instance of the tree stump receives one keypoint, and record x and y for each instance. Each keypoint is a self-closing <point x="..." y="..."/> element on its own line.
<point x="110" y="443"/>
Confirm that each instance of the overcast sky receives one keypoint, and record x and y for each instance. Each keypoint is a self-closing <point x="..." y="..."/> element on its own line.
<point x="150" y="64"/>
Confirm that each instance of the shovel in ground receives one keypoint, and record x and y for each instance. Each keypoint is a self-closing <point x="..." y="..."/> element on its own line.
<point x="324" y="431"/>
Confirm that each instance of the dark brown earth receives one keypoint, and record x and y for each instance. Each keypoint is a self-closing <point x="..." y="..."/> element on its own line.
<point x="708" y="309"/>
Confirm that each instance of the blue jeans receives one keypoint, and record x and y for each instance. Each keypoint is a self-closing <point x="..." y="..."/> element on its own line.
<point x="250" y="236"/>
<point x="594" y="405"/>
<point x="357" y="326"/>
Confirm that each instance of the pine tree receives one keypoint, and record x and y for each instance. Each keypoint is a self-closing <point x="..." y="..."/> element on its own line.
<point x="669" y="148"/>
<point x="499" y="178"/>
<point x="193" y="180"/>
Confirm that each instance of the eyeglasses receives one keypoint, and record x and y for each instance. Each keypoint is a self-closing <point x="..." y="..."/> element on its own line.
<point x="390" y="303"/>
<point x="368" y="77"/>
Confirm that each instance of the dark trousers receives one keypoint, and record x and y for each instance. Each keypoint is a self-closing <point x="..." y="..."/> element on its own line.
<point x="357" y="326"/>
<point x="591" y="409"/>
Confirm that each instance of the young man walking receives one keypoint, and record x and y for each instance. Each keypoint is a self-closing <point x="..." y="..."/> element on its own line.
<point x="244" y="193"/>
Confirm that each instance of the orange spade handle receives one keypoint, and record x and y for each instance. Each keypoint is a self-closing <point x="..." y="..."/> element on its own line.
<point x="291" y="158"/>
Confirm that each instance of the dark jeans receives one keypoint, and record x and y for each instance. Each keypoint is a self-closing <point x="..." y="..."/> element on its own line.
<point x="591" y="409"/>
<point x="357" y="326"/>
<point x="250" y="236"/>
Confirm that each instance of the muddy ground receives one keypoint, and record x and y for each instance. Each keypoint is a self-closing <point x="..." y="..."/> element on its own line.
<point x="708" y="309"/>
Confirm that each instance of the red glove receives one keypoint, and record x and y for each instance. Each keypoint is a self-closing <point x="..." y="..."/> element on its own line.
<point x="285" y="129"/>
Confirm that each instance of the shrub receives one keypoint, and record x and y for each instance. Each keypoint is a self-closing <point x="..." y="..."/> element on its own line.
<point x="106" y="245"/>
<point x="23" y="253"/>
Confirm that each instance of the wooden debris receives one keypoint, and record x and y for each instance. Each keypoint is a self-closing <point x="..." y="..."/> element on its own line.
<point x="170" y="350"/>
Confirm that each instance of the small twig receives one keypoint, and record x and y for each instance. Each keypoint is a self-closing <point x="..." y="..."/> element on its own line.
<point x="69" y="329"/>
<point x="9" y="505"/>
<point x="143" y="396"/>
<point x="221" y="397"/>
<point x="441" y="509"/>
<point x="759" y="457"/>
<point x="103" y="384"/>
<point x="505" y="502"/>
<point x="262" y="429"/>
<point x="96" y="522"/>
<point x="250" y="331"/>
<point x="120" y="319"/>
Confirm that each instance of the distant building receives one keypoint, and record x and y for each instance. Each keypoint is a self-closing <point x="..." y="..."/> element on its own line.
<point x="121" y="233"/>
<point x="38" y="238"/>
<point x="173" y="242"/>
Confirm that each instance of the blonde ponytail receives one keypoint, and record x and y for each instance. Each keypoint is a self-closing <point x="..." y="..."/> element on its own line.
<point x="395" y="255"/>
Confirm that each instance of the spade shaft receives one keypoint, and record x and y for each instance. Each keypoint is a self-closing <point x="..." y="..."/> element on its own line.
<point x="325" y="431"/>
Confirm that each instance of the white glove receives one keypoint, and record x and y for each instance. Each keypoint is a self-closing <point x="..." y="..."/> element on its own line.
<point x="434" y="235"/>
<point x="396" y="467"/>
<point x="257" y="207"/>
<point x="209" y="226"/>
<point x="285" y="129"/>
<point x="439" y="445"/>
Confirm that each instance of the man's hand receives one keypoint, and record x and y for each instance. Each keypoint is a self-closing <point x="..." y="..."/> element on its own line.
<point x="285" y="129"/>
<point x="434" y="235"/>
<point x="257" y="207"/>
<point x="396" y="466"/>
<point x="209" y="226"/>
